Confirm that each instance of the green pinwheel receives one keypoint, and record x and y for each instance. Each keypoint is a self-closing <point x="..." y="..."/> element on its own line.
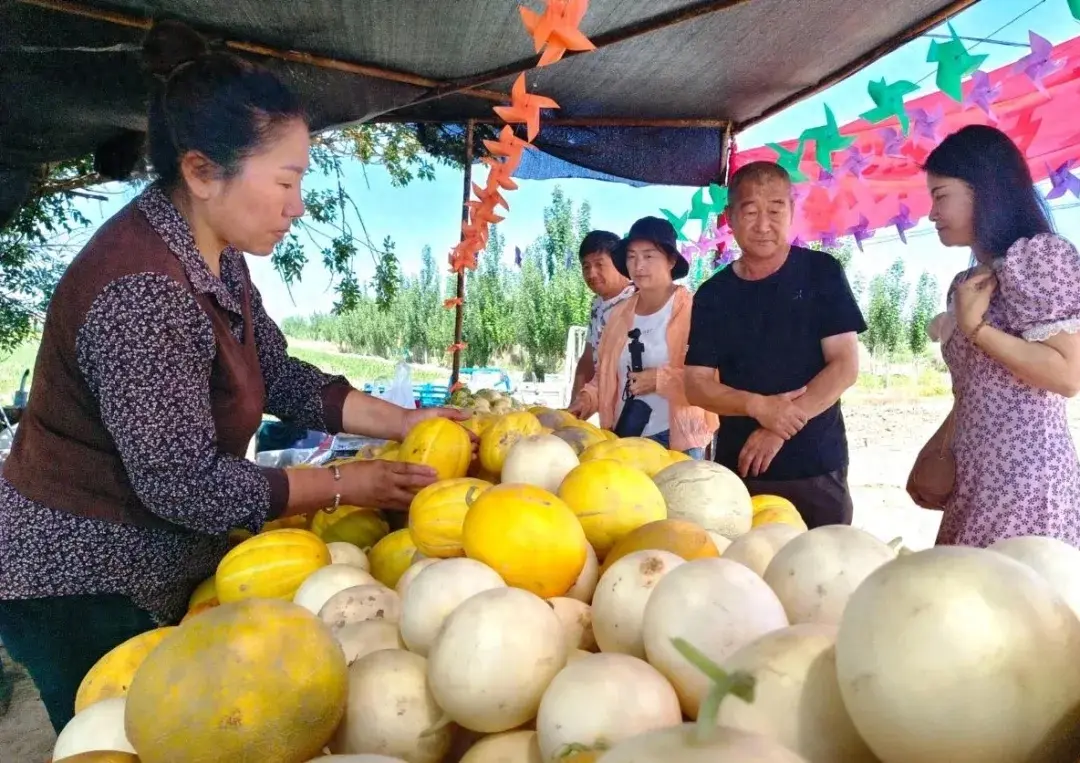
<point x="827" y="140"/>
<point x="889" y="101"/>
<point x="790" y="160"/>
<point x="954" y="63"/>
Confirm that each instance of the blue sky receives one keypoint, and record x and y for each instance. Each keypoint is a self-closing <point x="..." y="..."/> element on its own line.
<point x="428" y="213"/>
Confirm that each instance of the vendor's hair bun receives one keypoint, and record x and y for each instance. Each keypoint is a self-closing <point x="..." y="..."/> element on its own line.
<point x="170" y="44"/>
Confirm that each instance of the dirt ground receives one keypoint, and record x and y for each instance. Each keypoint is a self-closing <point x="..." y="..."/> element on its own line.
<point x="884" y="438"/>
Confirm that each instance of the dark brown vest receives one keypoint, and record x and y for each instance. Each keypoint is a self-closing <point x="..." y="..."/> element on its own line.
<point x="63" y="457"/>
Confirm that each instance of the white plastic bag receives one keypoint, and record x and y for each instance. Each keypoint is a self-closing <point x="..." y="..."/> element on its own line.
<point x="400" y="391"/>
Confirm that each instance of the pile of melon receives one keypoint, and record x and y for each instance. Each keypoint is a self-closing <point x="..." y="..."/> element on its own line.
<point x="590" y="598"/>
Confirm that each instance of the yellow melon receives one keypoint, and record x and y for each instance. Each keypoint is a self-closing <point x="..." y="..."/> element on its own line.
<point x="298" y="521"/>
<point x="270" y="565"/>
<point x="391" y="452"/>
<point x="477" y="423"/>
<point x="640" y="452"/>
<point x="611" y="499"/>
<point x="776" y="510"/>
<point x="678" y="456"/>
<point x="440" y="443"/>
<point x="555" y="419"/>
<point x="100" y="756"/>
<point x="528" y="536"/>
<point x="112" y="674"/>
<point x="682" y="538"/>
<point x="763" y="502"/>
<point x="610" y="435"/>
<point x="203" y="592"/>
<point x="498" y="438"/>
<point x="437" y="514"/>
<point x="391" y="556"/>
<point x="350" y="524"/>
<point x="198" y="609"/>
<point x="580" y="438"/>
<point x="261" y="679"/>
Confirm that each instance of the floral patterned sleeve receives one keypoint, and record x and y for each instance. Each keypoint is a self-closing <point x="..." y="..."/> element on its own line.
<point x="1039" y="280"/>
<point x="146" y="351"/>
<point x="296" y="391"/>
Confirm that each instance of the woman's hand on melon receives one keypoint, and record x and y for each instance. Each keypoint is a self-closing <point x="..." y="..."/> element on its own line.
<point x="414" y="417"/>
<point x="383" y="484"/>
<point x="758" y="453"/>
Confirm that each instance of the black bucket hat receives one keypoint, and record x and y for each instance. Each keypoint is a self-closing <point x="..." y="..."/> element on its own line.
<point x="656" y="231"/>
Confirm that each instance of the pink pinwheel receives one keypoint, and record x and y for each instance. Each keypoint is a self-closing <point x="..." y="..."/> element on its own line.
<point x="903" y="222"/>
<point x="926" y="123"/>
<point x="892" y="142"/>
<point x="829" y="239"/>
<point x="711" y="239"/>
<point x="861" y="232"/>
<point x="1063" y="181"/>
<point x="982" y="94"/>
<point x="723" y="258"/>
<point x="826" y="180"/>
<point x="855" y="162"/>
<point x="1038" y="64"/>
<point x="798" y="241"/>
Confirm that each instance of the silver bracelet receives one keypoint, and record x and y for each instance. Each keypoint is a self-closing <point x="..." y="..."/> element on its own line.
<point x="337" y="496"/>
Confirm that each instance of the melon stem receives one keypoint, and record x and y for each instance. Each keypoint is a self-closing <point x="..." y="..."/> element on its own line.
<point x="739" y="684"/>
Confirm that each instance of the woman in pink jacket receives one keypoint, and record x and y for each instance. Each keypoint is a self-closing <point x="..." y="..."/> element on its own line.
<point x="649" y="332"/>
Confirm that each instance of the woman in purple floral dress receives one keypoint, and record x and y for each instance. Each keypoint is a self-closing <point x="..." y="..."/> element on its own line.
<point x="1011" y="339"/>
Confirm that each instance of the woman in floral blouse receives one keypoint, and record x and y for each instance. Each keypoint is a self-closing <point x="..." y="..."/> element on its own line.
<point x="1011" y="339"/>
<point x="156" y="364"/>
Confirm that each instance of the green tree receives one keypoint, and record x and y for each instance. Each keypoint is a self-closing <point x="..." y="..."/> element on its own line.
<point x="922" y="312"/>
<point x="36" y="244"/>
<point x="884" y="319"/>
<point x="33" y="251"/>
<point x="488" y="326"/>
<point x="561" y="235"/>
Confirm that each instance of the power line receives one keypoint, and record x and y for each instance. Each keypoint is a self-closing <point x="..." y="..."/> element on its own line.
<point x="1001" y="28"/>
<point x="1003" y="43"/>
<point x="920" y="233"/>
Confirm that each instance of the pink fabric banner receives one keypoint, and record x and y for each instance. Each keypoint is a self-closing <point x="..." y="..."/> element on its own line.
<point x="871" y="189"/>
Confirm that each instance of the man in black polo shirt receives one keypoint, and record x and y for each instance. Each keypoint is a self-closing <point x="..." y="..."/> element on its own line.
<point x="773" y="345"/>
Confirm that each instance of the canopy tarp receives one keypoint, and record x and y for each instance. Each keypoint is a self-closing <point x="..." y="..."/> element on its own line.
<point x="654" y="103"/>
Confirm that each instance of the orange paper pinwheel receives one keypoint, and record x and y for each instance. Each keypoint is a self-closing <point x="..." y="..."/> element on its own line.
<point x="509" y="147"/>
<point x="491" y="192"/>
<point x="481" y="212"/>
<point x="556" y="31"/>
<point x="525" y="108"/>
<point x="499" y="174"/>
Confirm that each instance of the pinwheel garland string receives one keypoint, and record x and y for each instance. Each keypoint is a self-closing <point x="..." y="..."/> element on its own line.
<point x="827" y="205"/>
<point x="554" y="32"/>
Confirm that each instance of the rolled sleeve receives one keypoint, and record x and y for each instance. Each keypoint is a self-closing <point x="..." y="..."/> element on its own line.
<point x="146" y="350"/>
<point x="296" y="391"/>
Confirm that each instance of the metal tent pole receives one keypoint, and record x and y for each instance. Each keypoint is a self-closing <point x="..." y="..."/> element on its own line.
<point x="466" y="194"/>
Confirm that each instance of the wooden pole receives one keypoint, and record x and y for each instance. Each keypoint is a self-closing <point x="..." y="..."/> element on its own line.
<point x="459" y="310"/>
<point x="721" y="124"/>
<point x="293" y="56"/>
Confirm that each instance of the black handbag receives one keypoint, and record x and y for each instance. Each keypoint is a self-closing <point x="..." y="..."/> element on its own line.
<point x="635" y="413"/>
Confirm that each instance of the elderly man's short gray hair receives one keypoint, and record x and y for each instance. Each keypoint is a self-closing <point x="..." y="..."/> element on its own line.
<point x="753" y="173"/>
